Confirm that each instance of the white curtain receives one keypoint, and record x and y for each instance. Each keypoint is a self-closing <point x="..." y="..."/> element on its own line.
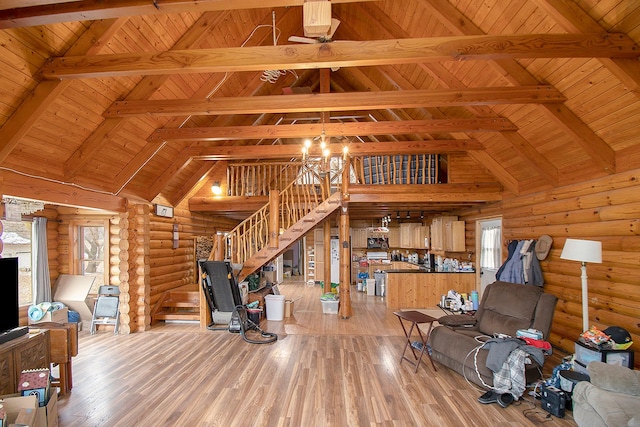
<point x="490" y="248"/>
<point x="40" y="263"/>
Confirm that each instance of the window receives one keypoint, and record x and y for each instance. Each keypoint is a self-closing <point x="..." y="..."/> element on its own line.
<point x="16" y="238"/>
<point x="91" y="251"/>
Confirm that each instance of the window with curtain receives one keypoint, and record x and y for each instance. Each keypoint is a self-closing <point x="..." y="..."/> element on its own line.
<point x="490" y="247"/>
<point x="91" y="251"/>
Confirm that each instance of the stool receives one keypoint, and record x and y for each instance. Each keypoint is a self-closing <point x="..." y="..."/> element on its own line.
<point x="416" y="318"/>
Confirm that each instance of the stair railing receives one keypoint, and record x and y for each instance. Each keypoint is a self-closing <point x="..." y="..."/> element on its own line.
<point x="308" y="190"/>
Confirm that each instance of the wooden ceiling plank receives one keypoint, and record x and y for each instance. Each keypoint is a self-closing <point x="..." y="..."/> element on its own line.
<point x="64" y="11"/>
<point x="324" y="102"/>
<point x="487" y="162"/>
<point x="344" y="54"/>
<point x="331" y="129"/>
<point x="46" y="92"/>
<point x="179" y="163"/>
<point x="572" y="18"/>
<point x="231" y="152"/>
<point x="143" y="90"/>
<point x="601" y="153"/>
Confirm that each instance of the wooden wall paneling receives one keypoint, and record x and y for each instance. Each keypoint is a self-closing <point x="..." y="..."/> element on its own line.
<point x="603" y="209"/>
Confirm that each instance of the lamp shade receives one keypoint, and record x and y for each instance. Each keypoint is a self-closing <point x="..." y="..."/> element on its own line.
<point x="582" y="250"/>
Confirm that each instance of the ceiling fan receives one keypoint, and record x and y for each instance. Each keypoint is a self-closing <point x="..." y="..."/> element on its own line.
<point x="324" y="38"/>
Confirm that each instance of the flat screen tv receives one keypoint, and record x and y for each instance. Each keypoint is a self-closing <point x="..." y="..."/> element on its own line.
<point x="9" y="306"/>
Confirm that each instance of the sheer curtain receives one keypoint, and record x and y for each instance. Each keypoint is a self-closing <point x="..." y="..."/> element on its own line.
<point x="40" y="263"/>
<point x="490" y="242"/>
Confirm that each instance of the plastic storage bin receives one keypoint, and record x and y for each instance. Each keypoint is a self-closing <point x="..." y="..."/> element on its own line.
<point x="275" y="306"/>
<point x="371" y="287"/>
<point x="330" y="307"/>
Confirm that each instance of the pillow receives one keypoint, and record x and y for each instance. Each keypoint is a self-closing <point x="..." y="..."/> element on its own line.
<point x="617" y="379"/>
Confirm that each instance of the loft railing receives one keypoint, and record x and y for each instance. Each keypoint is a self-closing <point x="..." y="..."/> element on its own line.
<point x="397" y="169"/>
<point x="308" y="190"/>
<point x="257" y="179"/>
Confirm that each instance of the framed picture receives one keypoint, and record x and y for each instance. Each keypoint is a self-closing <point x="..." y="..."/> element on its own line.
<point x="165" y="211"/>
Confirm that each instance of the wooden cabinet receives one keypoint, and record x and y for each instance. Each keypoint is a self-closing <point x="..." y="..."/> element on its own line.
<point x="359" y="238"/>
<point x="406" y="235"/>
<point x="454" y="236"/>
<point x="439" y="232"/>
<point x="420" y="237"/>
<point x="394" y="237"/>
<point x="30" y="351"/>
<point x="412" y="236"/>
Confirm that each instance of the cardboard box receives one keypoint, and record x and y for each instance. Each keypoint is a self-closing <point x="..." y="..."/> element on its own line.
<point x="46" y="416"/>
<point x="56" y="316"/>
<point x="72" y="290"/>
<point x="288" y="308"/>
<point x="14" y="403"/>
<point x="26" y="417"/>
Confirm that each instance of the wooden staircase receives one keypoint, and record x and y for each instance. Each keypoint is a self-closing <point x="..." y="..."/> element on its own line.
<point x="177" y="305"/>
<point x="291" y="234"/>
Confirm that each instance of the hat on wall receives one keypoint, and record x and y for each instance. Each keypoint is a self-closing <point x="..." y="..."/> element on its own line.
<point x="620" y="336"/>
<point x="543" y="246"/>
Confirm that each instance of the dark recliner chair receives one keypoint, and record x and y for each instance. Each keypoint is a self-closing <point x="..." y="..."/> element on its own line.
<point x="504" y="308"/>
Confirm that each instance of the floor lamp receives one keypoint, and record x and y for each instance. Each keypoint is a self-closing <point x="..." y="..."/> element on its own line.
<point x="584" y="251"/>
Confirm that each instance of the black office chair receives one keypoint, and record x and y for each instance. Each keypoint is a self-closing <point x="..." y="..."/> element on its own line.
<point x="106" y="309"/>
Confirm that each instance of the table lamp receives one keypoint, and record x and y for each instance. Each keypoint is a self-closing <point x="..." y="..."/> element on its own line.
<point x="584" y="251"/>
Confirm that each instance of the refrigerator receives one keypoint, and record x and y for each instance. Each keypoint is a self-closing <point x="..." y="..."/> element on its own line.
<point x="335" y="259"/>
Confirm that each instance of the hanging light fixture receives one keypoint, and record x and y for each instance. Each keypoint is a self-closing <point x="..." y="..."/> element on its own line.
<point x="408" y="215"/>
<point x="421" y="214"/>
<point x="216" y="189"/>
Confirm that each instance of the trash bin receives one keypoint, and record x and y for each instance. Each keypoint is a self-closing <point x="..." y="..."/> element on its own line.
<point x="379" y="277"/>
<point x="275" y="306"/>
<point x="371" y="286"/>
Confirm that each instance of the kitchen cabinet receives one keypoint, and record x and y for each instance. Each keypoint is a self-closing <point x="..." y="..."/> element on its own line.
<point x="406" y="235"/>
<point x="454" y="236"/>
<point x="438" y="232"/>
<point x="420" y="236"/>
<point x="394" y="237"/>
<point x="359" y="238"/>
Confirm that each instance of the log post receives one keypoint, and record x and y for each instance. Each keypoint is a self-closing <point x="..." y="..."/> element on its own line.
<point x="327" y="256"/>
<point x="345" y="259"/>
<point x="274" y="215"/>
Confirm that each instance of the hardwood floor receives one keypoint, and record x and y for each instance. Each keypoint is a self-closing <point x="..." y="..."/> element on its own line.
<point x="322" y="371"/>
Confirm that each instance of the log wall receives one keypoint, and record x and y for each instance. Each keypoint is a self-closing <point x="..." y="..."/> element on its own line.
<point x="605" y="209"/>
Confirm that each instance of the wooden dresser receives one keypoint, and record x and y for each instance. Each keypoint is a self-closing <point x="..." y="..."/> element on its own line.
<point x="30" y="351"/>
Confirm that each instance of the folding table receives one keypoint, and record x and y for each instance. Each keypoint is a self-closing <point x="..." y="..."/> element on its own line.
<point x="415" y="318"/>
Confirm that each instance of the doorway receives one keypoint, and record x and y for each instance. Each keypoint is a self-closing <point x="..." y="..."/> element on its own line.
<point x="489" y="250"/>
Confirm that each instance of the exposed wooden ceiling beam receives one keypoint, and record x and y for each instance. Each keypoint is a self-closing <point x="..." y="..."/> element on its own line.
<point x="356" y="149"/>
<point x="15" y="14"/>
<point x="345" y="54"/>
<point x="325" y="102"/>
<point x="600" y="152"/>
<point x="223" y="133"/>
<point x="447" y="194"/>
<point x="147" y="86"/>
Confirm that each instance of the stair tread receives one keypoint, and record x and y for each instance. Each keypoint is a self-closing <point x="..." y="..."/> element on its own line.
<point x="176" y="316"/>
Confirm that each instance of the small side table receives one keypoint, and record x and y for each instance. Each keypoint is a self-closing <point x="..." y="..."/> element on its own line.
<point x="415" y="318"/>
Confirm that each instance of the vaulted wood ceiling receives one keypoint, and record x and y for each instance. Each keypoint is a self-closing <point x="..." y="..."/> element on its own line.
<point x="146" y="99"/>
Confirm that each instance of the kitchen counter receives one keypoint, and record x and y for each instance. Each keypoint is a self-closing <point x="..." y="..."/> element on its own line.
<point x="426" y="270"/>
<point x="407" y="288"/>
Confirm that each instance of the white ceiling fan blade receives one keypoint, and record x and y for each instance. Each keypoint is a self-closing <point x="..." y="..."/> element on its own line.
<point x="298" y="39"/>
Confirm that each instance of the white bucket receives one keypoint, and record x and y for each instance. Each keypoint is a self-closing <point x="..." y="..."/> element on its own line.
<point x="275" y="306"/>
<point x="371" y="286"/>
